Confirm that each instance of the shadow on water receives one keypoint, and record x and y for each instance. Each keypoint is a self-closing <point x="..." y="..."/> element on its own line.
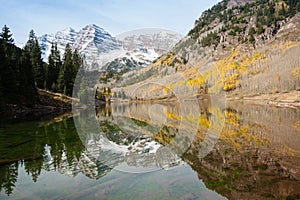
<point x="242" y="151"/>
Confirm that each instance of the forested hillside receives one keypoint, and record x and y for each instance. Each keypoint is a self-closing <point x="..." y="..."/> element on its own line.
<point x="239" y="48"/>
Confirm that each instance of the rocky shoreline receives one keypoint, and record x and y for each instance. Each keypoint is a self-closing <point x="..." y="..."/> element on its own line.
<point x="284" y="103"/>
<point x="288" y="99"/>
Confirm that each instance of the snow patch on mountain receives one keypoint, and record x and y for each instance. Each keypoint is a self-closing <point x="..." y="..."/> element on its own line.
<point x="98" y="47"/>
<point x="91" y="41"/>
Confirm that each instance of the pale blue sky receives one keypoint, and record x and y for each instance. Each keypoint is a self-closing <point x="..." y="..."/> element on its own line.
<point x="115" y="16"/>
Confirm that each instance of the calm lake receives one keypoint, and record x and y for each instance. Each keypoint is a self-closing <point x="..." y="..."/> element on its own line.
<point x="187" y="150"/>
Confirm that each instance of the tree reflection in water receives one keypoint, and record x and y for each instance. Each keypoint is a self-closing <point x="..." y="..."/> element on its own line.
<point x="36" y="146"/>
<point x="256" y="156"/>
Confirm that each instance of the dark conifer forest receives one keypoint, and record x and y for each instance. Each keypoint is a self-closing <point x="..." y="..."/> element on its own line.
<point x="23" y="70"/>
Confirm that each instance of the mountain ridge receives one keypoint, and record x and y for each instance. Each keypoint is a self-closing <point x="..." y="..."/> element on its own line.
<point x="98" y="47"/>
<point x="236" y="48"/>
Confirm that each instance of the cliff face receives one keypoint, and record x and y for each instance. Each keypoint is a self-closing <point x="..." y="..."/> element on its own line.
<point x="238" y="48"/>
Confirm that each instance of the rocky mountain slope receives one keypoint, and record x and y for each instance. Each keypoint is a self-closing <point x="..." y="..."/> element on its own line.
<point x="236" y="48"/>
<point x="98" y="47"/>
<point x="91" y="41"/>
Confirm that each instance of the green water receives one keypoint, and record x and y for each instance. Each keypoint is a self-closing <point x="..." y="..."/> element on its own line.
<point x="192" y="151"/>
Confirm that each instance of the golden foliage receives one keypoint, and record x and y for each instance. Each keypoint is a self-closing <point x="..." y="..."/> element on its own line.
<point x="192" y="79"/>
<point x="198" y="81"/>
<point x="203" y="121"/>
<point x="297" y="125"/>
<point x="279" y="5"/>
<point x="231" y="118"/>
<point x="238" y="135"/>
<point x="165" y="90"/>
<point x="232" y="66"/>
<point x="171" y="115"/>
<point x="230" y="82"/>
<point x="164" y="136"/>
<point x="155" y="88"/>
<point x="167" y="59"/>
<point x="296" y="72"/>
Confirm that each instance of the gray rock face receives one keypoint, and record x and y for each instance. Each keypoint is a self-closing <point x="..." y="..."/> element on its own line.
<point x="233" y="3"/>
<point x="159" y="40"/>
<point x="91" y="41"/>
<point x="98" y="47"/>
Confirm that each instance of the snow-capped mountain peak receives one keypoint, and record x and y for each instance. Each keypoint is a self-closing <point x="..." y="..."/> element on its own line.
<point x="91" y="41"/>
<point x="61" y="38"/>
<point x="99" y="47"/>
<point x="97" y="36"/>
<point x="67" y="34"/>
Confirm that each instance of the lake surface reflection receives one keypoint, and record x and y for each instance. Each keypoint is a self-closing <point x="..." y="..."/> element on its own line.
<point x="186" y="150"/>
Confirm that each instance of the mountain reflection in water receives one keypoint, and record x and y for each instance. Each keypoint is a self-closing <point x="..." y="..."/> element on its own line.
<point x="243" y="151"/>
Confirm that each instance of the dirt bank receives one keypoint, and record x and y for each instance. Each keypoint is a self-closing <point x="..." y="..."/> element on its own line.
<point x="48" y="105"/>
<point x="287" y="99"/>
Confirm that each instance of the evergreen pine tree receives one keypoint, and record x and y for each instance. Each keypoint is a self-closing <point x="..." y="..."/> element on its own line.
<point x="260" y="29"/>
<point x="27" y="84"/>
<point x="16" y="77"/>
<point x="32" y="46"/>
<point x="6" y="36"/>
<point x="252" y="31"/>
<point x="53" y="68"/>
<point x="60" y="81"/>
<point x="251" y="39"/>
<point x="9" y="66"/>
<point x="77" y="64"/>
<point x="68" y="70"/>
<point x="2" y="57"/>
